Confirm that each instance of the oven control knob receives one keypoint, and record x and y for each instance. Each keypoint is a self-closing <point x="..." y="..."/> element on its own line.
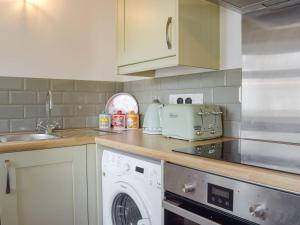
<point x="258" y="211"/>
<point x="188" y="188"/>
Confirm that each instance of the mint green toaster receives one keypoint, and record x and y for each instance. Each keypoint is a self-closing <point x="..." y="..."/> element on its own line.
<point x="192" y="122"/>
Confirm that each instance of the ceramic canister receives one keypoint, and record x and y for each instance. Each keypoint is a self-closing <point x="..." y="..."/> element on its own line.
<point x="132" y="120"/>
<point x="119" y="120"/>
<point x="104" y="121"/>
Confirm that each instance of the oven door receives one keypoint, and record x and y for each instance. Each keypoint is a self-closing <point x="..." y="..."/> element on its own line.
<point x="181" y="211"/>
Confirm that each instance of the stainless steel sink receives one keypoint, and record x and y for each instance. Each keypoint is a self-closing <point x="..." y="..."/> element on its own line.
<point x="27" y="137"/>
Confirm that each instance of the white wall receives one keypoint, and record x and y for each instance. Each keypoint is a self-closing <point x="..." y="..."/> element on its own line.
<point x="71" y="39"/>
<point x="75" y="39"/>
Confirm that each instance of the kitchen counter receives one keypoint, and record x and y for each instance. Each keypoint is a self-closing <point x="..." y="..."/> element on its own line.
<point x="69" y="137"/>
<point x="160" y="148"/>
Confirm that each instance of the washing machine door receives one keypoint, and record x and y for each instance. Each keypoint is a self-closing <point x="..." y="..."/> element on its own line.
<point x="127" y="208"/>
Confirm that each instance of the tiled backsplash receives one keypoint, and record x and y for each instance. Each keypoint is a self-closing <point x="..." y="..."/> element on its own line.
<point x="76" y="103"/>
<point x="221" y="88"/>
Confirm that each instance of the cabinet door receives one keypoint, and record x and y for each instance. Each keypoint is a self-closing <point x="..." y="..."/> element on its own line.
<point x="144" y="28"/>
<point x="48" y="187"/>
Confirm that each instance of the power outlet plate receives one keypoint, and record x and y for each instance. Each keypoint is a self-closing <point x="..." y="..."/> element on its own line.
<point x="196" y="98"/>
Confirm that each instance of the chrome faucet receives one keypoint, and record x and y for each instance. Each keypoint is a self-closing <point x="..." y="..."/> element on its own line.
<point x="47" y="126"/>
<point x="49" y="104"/>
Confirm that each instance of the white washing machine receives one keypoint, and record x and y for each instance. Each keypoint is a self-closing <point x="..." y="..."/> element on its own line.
<point x="131" y="188"/>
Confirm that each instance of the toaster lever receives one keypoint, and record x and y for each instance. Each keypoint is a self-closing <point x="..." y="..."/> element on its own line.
<point x="216" y="113"/>
<point x="203" y="113"/>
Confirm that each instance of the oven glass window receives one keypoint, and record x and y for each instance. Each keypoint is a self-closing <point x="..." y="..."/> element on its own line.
<point x="125" y="210"/>
<point x="173" y="219"/>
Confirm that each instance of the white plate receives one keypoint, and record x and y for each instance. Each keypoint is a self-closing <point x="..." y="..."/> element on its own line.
<point x="121" y="101"/>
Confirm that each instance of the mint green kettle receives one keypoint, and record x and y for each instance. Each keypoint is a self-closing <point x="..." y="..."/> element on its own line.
<point x="153" y="116"/>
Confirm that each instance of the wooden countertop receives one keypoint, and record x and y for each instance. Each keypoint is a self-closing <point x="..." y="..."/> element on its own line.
<point x="160" y="148"/>
<point x="69" y="137"/>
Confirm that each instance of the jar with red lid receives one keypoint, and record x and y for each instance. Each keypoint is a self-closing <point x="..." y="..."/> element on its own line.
<point x="119" y="120"/>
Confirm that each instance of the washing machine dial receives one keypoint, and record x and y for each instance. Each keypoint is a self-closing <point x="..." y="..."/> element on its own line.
<point x="126" y="167"/>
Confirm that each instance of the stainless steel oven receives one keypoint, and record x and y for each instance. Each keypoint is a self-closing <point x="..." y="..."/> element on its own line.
<point x="180" y="211"/>
<point x="194" y="197"/>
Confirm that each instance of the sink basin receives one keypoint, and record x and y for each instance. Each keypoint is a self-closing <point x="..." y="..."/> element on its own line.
<point x="27" y="137"/>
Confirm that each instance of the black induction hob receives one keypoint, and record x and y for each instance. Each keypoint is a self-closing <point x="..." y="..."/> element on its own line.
<point x="271" y="155"/>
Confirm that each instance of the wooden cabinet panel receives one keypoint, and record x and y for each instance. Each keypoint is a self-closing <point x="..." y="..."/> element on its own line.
<point x="143" y="28"/>
<point x="155" y="34"/>
<point x="48" y="187"/>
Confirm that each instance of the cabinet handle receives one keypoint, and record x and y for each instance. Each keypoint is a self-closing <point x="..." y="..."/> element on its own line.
<point x="7" y="186"/>
<point x="168" y="39"/>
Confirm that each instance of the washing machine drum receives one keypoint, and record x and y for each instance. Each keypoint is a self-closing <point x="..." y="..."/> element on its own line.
<point x="127" y="210"/>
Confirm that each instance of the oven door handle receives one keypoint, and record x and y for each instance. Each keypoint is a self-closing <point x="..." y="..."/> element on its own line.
<point x="174" y="208"/>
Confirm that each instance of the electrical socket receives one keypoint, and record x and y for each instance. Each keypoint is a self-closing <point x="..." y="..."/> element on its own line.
<point x="196" y="98"/>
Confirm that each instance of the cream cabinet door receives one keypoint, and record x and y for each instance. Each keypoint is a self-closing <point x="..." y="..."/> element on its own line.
<point x="47" y="187"/>
<point x="146" y="30"/>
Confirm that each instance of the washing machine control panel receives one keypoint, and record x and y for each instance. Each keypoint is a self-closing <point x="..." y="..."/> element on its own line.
<point x="143" y="170"/>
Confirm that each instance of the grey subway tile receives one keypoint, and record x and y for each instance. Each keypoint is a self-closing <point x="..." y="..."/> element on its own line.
<point x="62" y="85"/>
<point x="22" y="97"/>
<point x="37" y="84"/>
<point x="212" y="79"/>
<point x="152" y="84"/>
<point x="11" y="83"/>
<point x="85" y="110"/>
<point x="4" y="125"/>
<point x="11" y="112"/>
<point x="138" y="85"/>
<point x="4" y="99"/>
<point x="23" y="125"/>
<point x="34" y="111"/>
<point x="127" y="86"/>
<point x="169" y="83"/>
<point x="74" y="122"/>
<point x="232" y="129"/>
<point x="100" y="108"/>
<point x="73" y="97"/>
<point x="227" y="95"/>
<point x="102" y="98"/>
<point x="63" y="110"/>
<point x="107" y="86"/>
<point x="91" y="98"/>
<point x="234" y="77"/>
<point x="89" y="86"/>
<point x="92" y="121"/>
<point x="203" y="80"/>
<point x="233" y="112"/>
<point x="119" y="86"/>
<point x="143" y="97"/>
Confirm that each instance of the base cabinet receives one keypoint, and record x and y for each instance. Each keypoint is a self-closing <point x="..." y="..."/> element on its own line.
<point x="44" y="187"/>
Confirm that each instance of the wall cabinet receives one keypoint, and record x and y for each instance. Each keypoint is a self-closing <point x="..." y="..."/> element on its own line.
<point x="155" y="34"/>
<point x="47" y="187"/>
